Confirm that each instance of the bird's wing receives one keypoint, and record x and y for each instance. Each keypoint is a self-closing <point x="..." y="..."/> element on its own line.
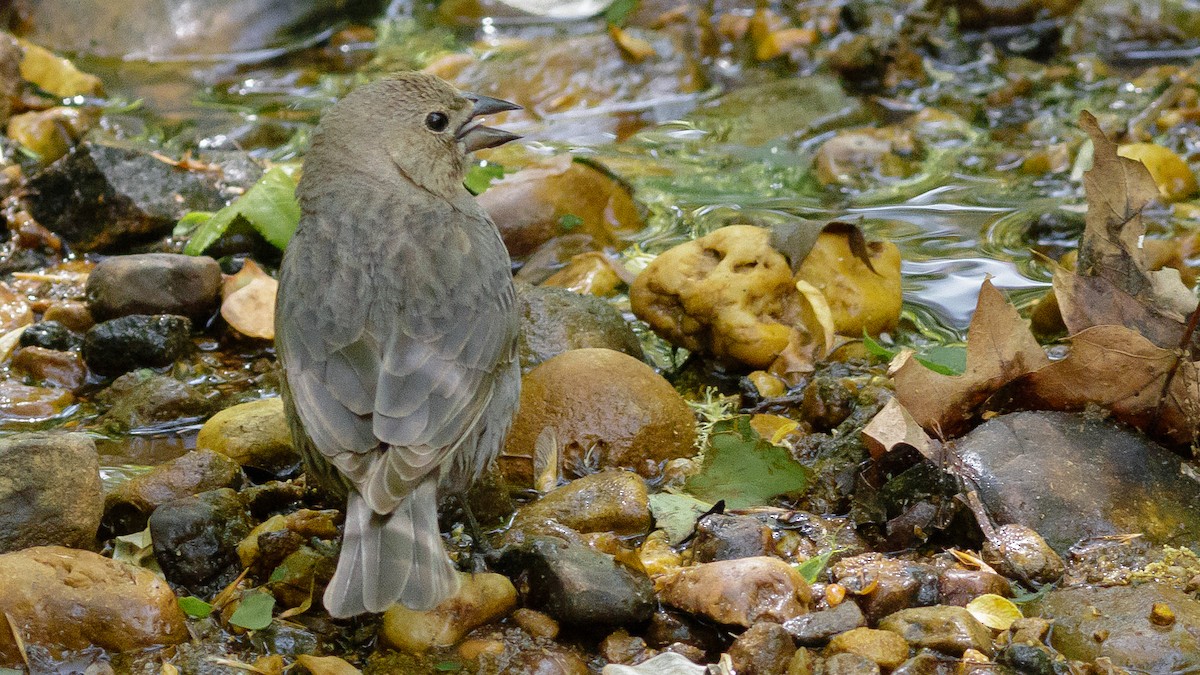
<point x="413" y="370"/>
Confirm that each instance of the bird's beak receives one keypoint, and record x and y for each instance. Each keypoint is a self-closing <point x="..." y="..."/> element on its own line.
<point x="474" y="135"/>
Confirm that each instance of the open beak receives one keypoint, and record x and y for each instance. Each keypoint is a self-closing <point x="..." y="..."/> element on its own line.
<point x="474" y="135"/>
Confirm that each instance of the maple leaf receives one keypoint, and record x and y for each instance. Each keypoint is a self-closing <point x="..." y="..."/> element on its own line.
<point x="1000" y="348"/>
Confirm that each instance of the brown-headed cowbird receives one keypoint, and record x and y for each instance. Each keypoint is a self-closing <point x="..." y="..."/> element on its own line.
<point x="396" y="330"/>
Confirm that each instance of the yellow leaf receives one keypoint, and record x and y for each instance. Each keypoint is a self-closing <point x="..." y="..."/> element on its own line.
<point x="994" y="611"/>
<point x="326" y="665"/>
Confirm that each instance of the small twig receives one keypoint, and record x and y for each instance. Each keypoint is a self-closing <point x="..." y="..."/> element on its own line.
<point x="12" y="627"/>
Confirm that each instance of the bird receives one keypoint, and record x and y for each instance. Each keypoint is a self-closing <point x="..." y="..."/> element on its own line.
<point x="396" y="330"/>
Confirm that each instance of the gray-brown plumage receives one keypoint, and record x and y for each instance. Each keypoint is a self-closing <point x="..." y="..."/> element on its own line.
<point x="396" y="329"/>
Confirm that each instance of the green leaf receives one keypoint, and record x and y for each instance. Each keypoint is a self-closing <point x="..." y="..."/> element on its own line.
<point x="745" y="470"/>
<point x="676" y="514"/>
<point x="618" y="12"/>
<point x="195" y="607"/>
<point x="279" y="574"/>
<point x="447" y="666"/>
<point x="877" y="349"/>
<point x="811" y="569"/>
<point x="945" y="359"/>
<point x="479" y="177"/>
<point x="190" y="221"/>
<point x="269" y="206"/>
<point x="254" y="613"/>
<point x="569" y="221"/>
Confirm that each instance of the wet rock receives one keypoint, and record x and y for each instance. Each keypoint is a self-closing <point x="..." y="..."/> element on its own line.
<point x="587" y="273"/>
<point x="196" y="538"/>
<point x="1070" y="477"/>
<point x="600" y="409"/>
<point x="578" y="74"/>
<point x="51" y="133"/>
<point x="623" y="648"/>
<point x="758" y="114"/>
<point x="127" y="507"/>
<point x="888" y="650"/>
<point x="1115" y="622"/>
<point x="75" y="316"/>
<point x="926" y="662"/>
<point x="669" y="627"/>
<point x="555" y="320"/>
<point x="253" y="434"/>
<point x="52" y="367"/>
<point x="579" y="586"/>
<point x="142" y="399"/>
<point x="154" y="283"/>
<point x="66" y="599"/>
<point x="28" y="403"/>
<point x="14" y="309"/>
<point x="49" y="490"/>
<point x="136" y="341"/>
<point x="481" y="599"/>
<point x="859" y="158"/>
<point x="817" y="628"/>
<point x="731" y="295"/>
<point x="947" y="629"/>
<point x="958" y="586"/>
<point x="850" y="664"/>
<point x="531" y="206"/>
<point x="722" y="537"/>
<point x="209" y="27"/>
<point x="986" y="13"/>
<point x="861" y="299"/>
<point x="895" y="587"/>
<point x="1020" y="552"/>
<point x="537" y="624"/>
<point x="99" y="196"/>
<point x="262" y="549"/>
<point x="49" y="335"/>
<point x="764" y="649"/>
<point x="10" y="74"/>
<point x="610" y="501"/>
<point x="740" y="592"/>
<point x="1030" y="659"/>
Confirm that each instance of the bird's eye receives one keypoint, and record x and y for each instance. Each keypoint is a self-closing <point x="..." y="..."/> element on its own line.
<point x="437" y="121"/>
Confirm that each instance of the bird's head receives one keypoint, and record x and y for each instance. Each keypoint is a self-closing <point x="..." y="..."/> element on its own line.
<point x="413" y="124"/>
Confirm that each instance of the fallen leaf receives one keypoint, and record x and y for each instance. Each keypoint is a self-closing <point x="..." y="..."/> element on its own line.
<point x="667" y="663"/>
<point x="893" y="426"/>
<point x="743" y="469"/>
<point x="1119" y="369"/>
<point x="634" y="48"/>
<point x="676" y="514"/>
<point x="994" y="611"/>
<point x="326" y="665"/>
<point x="1112" y="283"/>
<point x="249" y="304"/>
<point x="269" y="206"/>
<point x="254" y="611"/>
<point x="1000" y="348"/>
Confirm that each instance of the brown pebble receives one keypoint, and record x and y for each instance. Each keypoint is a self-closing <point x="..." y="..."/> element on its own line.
<point x="621" y="647"/>
<point x="74" y="315"/>
<point x="1161" y="614"/>
<point x="472" y="649"/>
<point x="536" y="623"/>
<point x="50" y="366"/>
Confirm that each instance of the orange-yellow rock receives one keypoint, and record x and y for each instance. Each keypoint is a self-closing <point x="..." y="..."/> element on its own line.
<point x="598" y="409"/>
<point x="64" y="598"/>
<point x="860" y="299"/>
<point x="1171" y="173"/>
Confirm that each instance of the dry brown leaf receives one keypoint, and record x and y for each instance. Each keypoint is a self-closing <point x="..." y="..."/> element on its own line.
<point x="1112" y="284"/>
<point x="1120" y="370"/>
<point x="893" y="426"/>
<point x="249" y="302"/>
<point x="326" y="665"/>
<point x="1000" y="348"/>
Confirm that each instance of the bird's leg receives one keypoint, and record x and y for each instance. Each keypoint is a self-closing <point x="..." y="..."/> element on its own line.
<point x="480" y="548"/>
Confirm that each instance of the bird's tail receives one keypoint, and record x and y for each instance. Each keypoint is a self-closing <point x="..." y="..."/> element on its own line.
<point x="391" y="557"/>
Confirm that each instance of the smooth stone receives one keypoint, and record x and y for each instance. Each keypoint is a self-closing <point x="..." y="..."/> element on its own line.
<point x="129" y="505"/>
<point x="51" y="367"/>
<point x="196" y="538"/>
<point x="579" y="586"/>
<point x="48" y="334"/>
<point x="738" y="592"/>
<point x="253" y="434"/>
<point x="143" y="399"/>
<point x="817" y="628"/>
<point x="1121" y="614"/>
<point x="610" y="501"/>
<point x="850" y="664"/>
<point x="947" y="629"/>
<point x="1070" y="478"/>
<point x="120" y="345"/>
<point x="895" y="585"/>
<point x="67" y="599"/>
<point x="764" y="649"/>
<point x="50" y="492"/>
<point x="885" y="648"/>
<point x="725" y="537"/>
<point x="154" y="283"/>
<point x="958" y="586"/>
<point x="555" y="320"/>
<point x="481" y="599"/>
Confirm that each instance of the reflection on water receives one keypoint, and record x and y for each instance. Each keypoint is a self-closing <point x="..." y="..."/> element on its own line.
<point x="146" y="449"/>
